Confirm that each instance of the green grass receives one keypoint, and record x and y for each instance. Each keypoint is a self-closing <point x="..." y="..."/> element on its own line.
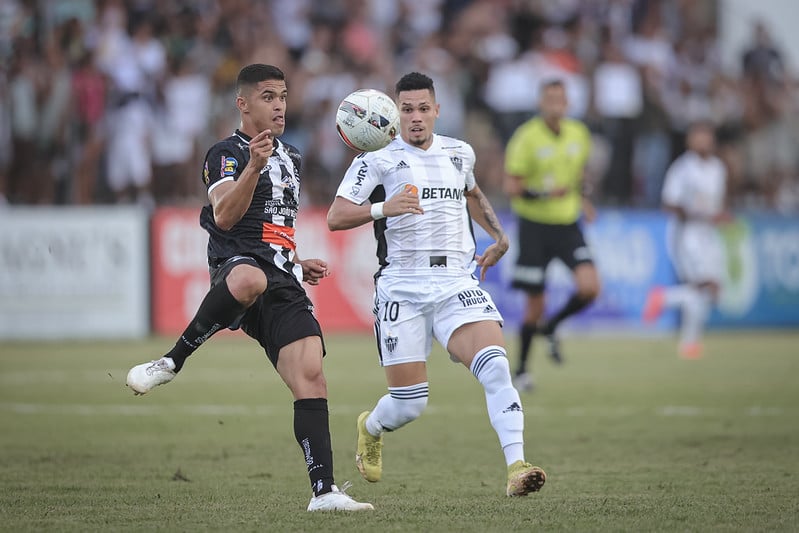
<point x="631" y="437"/>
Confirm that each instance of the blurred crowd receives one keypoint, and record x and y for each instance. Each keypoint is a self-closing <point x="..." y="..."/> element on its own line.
<point x="105" y="101"/>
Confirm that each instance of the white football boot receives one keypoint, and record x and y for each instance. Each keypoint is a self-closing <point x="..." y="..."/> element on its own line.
<point x="338" y="500"/>
<point x="145" y="376"/>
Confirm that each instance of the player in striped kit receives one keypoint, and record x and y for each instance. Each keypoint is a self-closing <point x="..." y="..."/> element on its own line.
<point x="253" y="183"/>
<point x="694" y="192"/>
<point x="420" y="192"/>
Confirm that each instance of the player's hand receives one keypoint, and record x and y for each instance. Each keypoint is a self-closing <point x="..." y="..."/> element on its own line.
<point x="313" y="270"/>
<point x="491" y="256"/>
<point x="261" y="147"/>
<point x="405" y="202"/>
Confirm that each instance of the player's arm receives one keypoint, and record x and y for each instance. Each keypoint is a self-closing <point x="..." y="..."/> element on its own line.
<point x="514" y="186"/>
<point x="346" y="214"/>
<point x="586" y="190"/>
<point x="481" y="211"/>
<point x="230" y="200"/>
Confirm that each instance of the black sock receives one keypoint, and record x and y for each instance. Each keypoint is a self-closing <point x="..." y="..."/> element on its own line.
<point x="217" y="311"/>
<point x="575" y="304"/>
<point x="312" y="431"/>
<point x="525" y="341"/>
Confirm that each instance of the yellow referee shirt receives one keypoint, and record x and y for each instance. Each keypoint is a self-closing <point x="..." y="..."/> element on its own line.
<point x="546" y="161"/>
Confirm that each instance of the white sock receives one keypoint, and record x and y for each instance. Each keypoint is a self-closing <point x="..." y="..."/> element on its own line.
<point x="695" y="311"/>
<point x="400" y="406"/>
<point x="491" y="368"/>
<point x="513" y="452"/>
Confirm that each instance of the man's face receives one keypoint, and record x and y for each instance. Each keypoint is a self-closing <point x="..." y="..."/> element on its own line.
<point x="418" y="113"/>
<point x="701" y="140"/>
<point x="553" y="102"/>
<point x="264" y="106"/>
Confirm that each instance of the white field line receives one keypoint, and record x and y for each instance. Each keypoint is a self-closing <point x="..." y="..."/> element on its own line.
<point x="132" y="409"/>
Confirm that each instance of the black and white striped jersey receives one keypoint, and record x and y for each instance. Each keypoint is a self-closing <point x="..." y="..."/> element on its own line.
<point x="267" y="229"/>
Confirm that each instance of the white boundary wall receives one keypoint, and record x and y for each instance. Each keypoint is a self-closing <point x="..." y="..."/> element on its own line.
<point x="72" y="272"/>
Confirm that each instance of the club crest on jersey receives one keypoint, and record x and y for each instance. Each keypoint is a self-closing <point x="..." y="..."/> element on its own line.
<point x="457" y="162"/>
<point x="228" y="166"/>
<point x="206" y="173"/>
<point x="391" y="343"/>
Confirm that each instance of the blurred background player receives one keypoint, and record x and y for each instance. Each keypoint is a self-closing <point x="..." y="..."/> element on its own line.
<point x="253" y="183"/>
<point x="694" y="192"/>
<point x="419" y="192"/>
<point x="544" y="165"/>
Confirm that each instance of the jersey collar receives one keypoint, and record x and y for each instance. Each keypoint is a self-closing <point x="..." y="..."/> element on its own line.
<point x="246" y="139"/>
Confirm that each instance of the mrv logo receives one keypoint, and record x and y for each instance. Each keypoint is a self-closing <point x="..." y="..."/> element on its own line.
<point x="472" y="297"/>
<point x="442" y="193"/>
<point x="360" y="176"/>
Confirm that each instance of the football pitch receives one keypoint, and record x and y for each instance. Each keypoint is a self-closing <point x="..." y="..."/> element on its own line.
<point x="631" y="437"/>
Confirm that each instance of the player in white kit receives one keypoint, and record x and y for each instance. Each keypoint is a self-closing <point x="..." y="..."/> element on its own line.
<point x="420" y="193"/>
<point x="694" y="191"/>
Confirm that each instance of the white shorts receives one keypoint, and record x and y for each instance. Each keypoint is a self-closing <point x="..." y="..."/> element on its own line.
<point x="699" y="254"/>
<point x="409" y="312"/>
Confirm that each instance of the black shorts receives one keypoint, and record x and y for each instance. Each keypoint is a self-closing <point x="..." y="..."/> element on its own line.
<point x="541" y="243"/>
<point x="281" y="315"/>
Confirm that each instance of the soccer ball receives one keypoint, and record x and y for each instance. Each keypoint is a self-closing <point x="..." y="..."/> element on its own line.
<point x="367" y="120"/>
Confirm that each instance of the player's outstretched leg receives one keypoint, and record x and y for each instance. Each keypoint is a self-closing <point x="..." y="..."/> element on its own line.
<point x="143" y="377"/>
<point x="400" y="406"/>
<point x="524" y="478"/>
<point x="491" y="368"/>
<point x="369" y="452"/>
<point x="338" y="500"/>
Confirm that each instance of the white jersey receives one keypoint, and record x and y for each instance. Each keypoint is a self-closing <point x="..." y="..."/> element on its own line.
<point x="439" y="242"/>
<point x="697" y="185"/>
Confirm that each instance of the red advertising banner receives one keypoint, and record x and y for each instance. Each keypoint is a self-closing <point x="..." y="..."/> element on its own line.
<point x="343" y="302"/>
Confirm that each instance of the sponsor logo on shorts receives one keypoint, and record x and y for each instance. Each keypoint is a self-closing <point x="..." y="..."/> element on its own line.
<point x="473" y="297"/>
<point x="391" y="343"/>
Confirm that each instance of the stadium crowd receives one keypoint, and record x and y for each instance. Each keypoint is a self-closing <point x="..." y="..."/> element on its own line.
<point x="105" y="101"/>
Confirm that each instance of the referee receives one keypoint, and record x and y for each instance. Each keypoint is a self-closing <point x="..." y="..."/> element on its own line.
<point x="544" y="164"/>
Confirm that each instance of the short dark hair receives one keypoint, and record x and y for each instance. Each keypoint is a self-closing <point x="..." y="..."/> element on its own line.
<point x="702" y="124"/>
<point x="257" y="72"/>
<point x="414" y="81"/>
<point x="552" y="83"/>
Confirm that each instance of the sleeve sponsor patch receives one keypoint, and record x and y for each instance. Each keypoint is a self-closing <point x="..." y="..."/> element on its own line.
<point x="228" y="167"/>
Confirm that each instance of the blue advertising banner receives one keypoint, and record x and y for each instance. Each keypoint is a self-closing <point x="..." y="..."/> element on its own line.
<point x="631" y="254"/>
<point x="762" y="285"/>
